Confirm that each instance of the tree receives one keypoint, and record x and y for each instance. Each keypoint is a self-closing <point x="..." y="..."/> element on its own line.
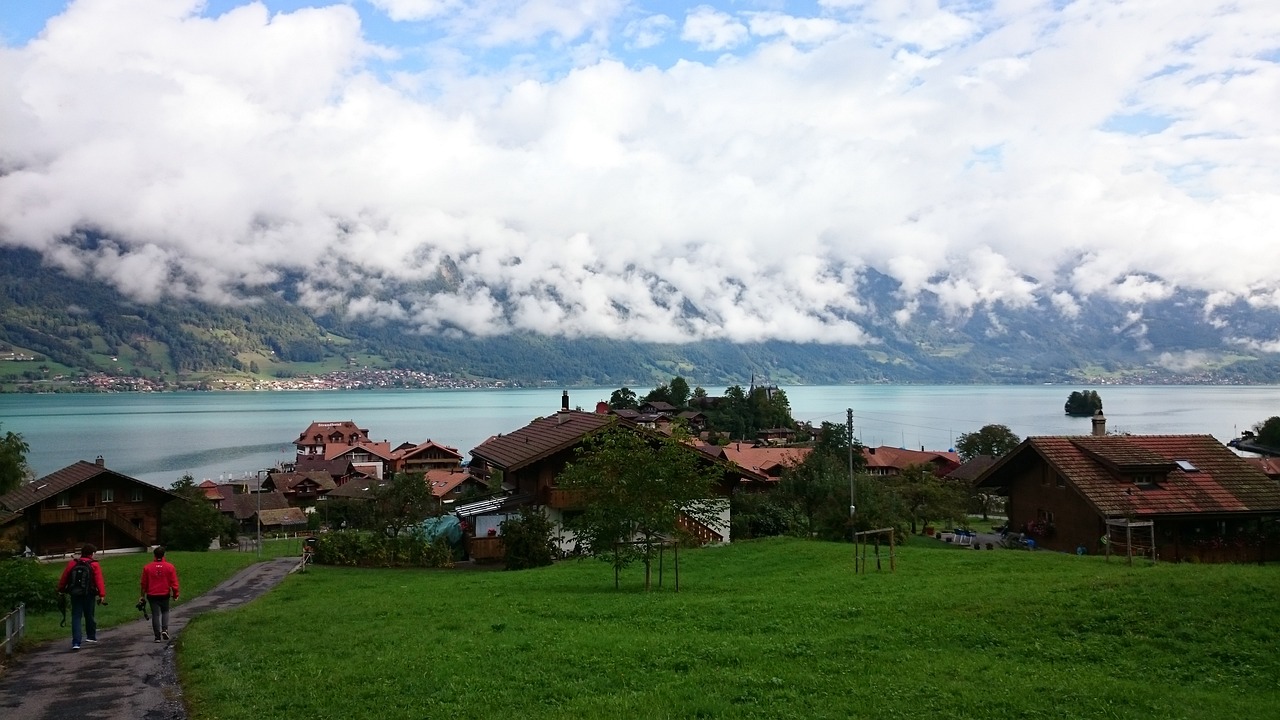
<point x="402" y="503"/>
<point x="623" y="398"/>
<point x="633" y="487"/>
<point x="1083" y="404"/>
<point x="993" y="440"/>
<point x="679" y="391"/>
<point x="819" y="486"/>
<point x="1267" y="432"/>
<point x="527" y="539"/>
<point x="13" y="462"/>
<point x="191" y="522"/>
<point x="927" y="497"/>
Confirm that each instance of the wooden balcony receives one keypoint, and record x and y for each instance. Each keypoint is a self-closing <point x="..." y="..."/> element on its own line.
<point x="105" y="513"/>
<point x="564" y="499"/>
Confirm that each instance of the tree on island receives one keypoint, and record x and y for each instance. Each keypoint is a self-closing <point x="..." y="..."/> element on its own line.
<point x="1267" y="432"/>
<point x="1083" y="404"/>
<point x="993" y="440"/>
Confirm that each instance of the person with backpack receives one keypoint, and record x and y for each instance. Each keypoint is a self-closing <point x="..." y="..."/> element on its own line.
<point x="159" y="583"/>
<point x="82" y="581"/>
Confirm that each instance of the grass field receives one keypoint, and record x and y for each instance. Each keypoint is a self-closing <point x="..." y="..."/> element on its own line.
<point x="762" y="629"/>
<point x="198" y="572"/>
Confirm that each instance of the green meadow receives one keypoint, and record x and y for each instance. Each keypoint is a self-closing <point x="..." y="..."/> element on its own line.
<point x="776" y="628"/>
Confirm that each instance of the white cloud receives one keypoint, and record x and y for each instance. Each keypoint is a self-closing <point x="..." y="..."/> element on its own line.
<point x="711" y="29"/>
<point x="581" y="186"/>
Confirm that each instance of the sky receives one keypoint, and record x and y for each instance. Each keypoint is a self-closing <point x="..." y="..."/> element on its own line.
<point x="658" y="171"/>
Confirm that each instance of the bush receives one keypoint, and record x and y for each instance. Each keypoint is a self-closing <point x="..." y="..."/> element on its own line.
<point x="364" y="549"/>
<point x="757" y="515"/>
<point x="23" y="580"/>
<point x="527" y="539"/>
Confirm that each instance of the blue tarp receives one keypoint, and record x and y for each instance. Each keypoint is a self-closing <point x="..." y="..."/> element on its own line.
<point x="445" y="526"/>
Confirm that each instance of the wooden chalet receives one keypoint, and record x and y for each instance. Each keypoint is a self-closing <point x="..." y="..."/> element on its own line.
<point x="367" y="458"/>
<point x="1204" y="502"/>
<point x="764" y="463"/>
<point x="85" y="503"/>
<point x="300" y="489"/>
<point x="424" y="456"/>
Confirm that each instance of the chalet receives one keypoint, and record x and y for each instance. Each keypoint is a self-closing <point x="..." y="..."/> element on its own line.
<point x="243" y="508"/>
<point x="319" y="435"/>
<point x="531" y="458"/>
<point x="695" y="420"/>
<point x="1203" y="501"/>
<point x="85" y="502"/>
<point x="300" y="489"/>
<point x="339" y="469"/>
<point x="885" y="460"/>
<point x="367" y="458"/>
<point x="289" y="519"/>
<point x="449" y="485"/>
<point x="429" y="455"/>
<point x="776" y="436"/>
<point x="655" y="407"/>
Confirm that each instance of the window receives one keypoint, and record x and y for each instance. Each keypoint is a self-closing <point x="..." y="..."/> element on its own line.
<point x="1062" y="482"/>
<point x="64" y="500"/>
<point x="108" y="495"/>
<point x="136" y="495"/>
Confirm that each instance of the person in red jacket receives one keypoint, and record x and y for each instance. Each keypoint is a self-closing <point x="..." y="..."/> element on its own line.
<point x="159" y="583"/>
<point x="86" y="588"/>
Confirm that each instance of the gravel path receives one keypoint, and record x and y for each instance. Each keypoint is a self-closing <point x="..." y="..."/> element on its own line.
<point x="126" y="676"/>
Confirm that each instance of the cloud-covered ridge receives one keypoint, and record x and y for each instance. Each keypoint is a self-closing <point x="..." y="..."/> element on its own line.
<point x="614" y="171"/>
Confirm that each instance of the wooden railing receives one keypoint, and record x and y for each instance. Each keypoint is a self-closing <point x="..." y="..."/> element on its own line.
<point x="699" y="530"/>
<point x="88" y="514"/>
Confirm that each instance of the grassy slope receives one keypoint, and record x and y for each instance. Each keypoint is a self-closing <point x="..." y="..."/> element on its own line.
<point x="769" y="629"/>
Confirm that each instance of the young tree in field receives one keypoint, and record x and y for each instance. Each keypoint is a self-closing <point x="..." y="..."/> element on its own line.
<point x="927" y="497"/>
<point x="402" y="503"/>
<point x="192" y="522"/>
<point x="993" y="440"/>
<point x="633" y="487"/>
<point x="819" y="486"/>
<point x="13" y="462"/>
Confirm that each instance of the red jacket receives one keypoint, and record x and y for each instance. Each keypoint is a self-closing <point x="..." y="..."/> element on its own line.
<point x="160" y="578"/>
<point x="97" y="576"/>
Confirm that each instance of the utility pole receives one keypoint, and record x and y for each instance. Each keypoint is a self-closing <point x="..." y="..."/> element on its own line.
<point x="848" y="428"/>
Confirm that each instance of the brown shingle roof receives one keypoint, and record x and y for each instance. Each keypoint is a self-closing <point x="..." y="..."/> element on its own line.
<point x="1215" y="480"/>
<point x="541" y="438"/>
<point x="41" y="489"/>
<point x="361" y="487"/>
<point x="283" y="516"/>
<point x="242" y="506"/>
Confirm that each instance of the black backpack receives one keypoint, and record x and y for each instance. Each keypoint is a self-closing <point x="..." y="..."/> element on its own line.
<point x="80" y="582"/>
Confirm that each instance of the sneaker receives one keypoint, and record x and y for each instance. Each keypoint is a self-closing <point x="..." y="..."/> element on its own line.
<point x="91" y="640"/>
<point x="158" y="640"/>
<point x="75" y="647"/>
<point x="164" y="634"/>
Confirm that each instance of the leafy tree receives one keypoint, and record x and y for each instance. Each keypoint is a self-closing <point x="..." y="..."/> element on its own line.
<point x="403" y="503"/>
<point x="527" y="539"/>
<point x="699" y="394"/>
<point x="634" y="486"/>
<point x="1083" y="404"/>
<point x="1267" y="431"/>
<point x="679" y="391"/>
<point x="662" y="393"/>
<point x="623" y="398"/>
<point x="192" y="522"/>
<point x="993" y="440"/>
<point x="927" y="497"/>
<point x="819" y="489"/>
<point x="13" y="462"/>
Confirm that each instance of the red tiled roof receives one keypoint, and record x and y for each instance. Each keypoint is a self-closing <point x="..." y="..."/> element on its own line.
<point x="407" y="450"/>
<point x="443" y="481"/>
<point x="1268" y="465"/>
<point x="381" y="450"/>
<point x="1213" y="481"/>
<point x="346" y="428"/>
<point x="764" y="460"/>
<point x="541" y="438"/>
<point x="901" y="458"/>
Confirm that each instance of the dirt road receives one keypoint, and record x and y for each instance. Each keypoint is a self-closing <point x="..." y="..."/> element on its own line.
<point x="126" y="676"/>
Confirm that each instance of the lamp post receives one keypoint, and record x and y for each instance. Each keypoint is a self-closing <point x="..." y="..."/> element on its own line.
<point x="849" y="440"/>
<point x="258" y="515"/>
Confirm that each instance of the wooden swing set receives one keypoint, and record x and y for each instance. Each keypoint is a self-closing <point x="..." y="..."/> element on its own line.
<point x="861" y="540"/>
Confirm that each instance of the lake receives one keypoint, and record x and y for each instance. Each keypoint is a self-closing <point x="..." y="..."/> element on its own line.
<point x="158" y="437"/>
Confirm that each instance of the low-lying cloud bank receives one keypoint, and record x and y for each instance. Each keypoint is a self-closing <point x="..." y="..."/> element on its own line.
<point x="737" y="184"/>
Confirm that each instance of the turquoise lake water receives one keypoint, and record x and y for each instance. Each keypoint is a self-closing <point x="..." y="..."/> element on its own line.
<point x="158" y="437"/>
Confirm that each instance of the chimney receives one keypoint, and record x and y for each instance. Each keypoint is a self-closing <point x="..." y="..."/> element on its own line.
<point x="1099" y="423"/>
<point x="99" y="461"/>
<point x="564" y="402"/>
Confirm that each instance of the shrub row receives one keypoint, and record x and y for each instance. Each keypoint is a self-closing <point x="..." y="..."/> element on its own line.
<point x="364" y="549"/>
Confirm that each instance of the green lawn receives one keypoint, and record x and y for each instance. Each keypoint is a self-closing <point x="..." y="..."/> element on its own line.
<point x="763" y="629"/>
<point x="198" y="572"/>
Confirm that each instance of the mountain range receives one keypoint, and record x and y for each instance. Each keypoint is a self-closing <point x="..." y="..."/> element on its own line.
<point x="75" y="325"/>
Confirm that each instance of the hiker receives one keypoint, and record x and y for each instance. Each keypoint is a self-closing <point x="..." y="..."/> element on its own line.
<point x="82" y="581"/>
<point x="159" y="583"/>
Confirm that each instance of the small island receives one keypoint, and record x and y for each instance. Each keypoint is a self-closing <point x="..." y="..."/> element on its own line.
<point x="1083" y="404"/>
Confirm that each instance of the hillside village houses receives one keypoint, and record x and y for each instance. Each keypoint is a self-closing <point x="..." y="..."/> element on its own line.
<point x="1063" y="491"/>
